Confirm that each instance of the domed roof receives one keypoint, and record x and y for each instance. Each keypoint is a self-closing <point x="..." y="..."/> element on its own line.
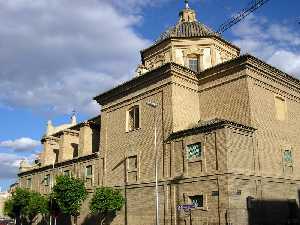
<point x="186" y="30"/>
<point x="187" y="27"/>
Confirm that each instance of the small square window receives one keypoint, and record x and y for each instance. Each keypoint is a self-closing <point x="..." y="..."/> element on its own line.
<point x="197" y="200"/>
<point x="194" y="151"/>
<point x="29" y="182"/>
<point x="133" y="120"/>
<point x="47" y="180"/>
<point x="215" y="193"/>
<point x="89" y="171"/>
<point x="67" y="173"/>
<point x="287" y="156"/>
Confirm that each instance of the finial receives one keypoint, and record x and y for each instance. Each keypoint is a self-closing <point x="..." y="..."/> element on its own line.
<point x="186" y="4"/>
<point x="73" y="117"/>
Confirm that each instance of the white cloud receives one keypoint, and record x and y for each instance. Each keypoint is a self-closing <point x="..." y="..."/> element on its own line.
<point x="10" y="163"/>
<point x="276" y="43"/>
<point x="57" y="55"/>
<point x="21" y="144"/>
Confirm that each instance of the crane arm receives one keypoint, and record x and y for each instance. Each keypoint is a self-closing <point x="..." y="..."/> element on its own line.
<point x="254" y="5"/>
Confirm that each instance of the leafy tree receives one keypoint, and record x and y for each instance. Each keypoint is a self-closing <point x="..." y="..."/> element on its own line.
<point x="25" y="205"/>
<point x="37" y="204"/>
<point x="106" y="202"/>
<point x="69" y="193"/>
<point x="8" y="209"/>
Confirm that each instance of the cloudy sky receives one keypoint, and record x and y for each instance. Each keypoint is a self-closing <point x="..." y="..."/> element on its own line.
<point x="55" y="55"/>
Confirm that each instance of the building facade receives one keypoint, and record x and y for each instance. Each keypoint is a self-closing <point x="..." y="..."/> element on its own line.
<point x="225" y="127"/>
<point x="3" y="197"/>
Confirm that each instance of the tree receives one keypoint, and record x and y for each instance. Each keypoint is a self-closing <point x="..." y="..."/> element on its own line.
<point x="8" y="209"/>
<point x="25" y="205"/>
<point x="37" y="205"/>
<point x="106" y="202"/>
<point x="69" y="193"/>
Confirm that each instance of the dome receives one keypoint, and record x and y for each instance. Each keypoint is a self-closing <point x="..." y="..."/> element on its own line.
<point x="187" y="30"/>
<point x="187" y="27"/>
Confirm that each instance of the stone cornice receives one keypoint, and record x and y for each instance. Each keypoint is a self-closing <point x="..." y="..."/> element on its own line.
<point x="252" y="63"/>
<point x="91" y="122"/>
<point x="170" y="38"/>
<point x="60" y="164"/>
<point x="208" y="126"/>
<point x="70" y="132"/>
<point x="49" y="138"/>
<point x="147" y="79"/>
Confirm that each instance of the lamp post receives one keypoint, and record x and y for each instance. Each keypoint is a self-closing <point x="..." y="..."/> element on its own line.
<point x="154" y="106"/>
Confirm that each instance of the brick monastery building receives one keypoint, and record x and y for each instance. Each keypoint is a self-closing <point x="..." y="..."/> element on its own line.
<point x="227" y="137"/>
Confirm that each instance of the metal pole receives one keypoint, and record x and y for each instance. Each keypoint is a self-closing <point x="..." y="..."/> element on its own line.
<point x="51" y="186"/>
<point x="191" y="223"/>
<point x="156" y="171"/>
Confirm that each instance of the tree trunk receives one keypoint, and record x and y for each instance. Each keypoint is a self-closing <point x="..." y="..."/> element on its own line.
<point x="102" y="220"/>
<point x="18" y="220"/>
<point x="75" y="220"/>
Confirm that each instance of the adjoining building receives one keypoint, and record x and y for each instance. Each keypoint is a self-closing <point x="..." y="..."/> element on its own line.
<point x="3" y="197"/>
<point x="227" y="137"/>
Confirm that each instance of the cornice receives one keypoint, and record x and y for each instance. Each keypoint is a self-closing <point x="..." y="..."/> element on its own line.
<point x="208" y="126"/>
<point x="70" y="132"/>
<point x="252" y="63"/>
<point x="60" y="164"/>
<point x="91" y="122"/>
<point x="147" y="79"/>
<point x="174" y="38"/>
<point x="49" y="138"/>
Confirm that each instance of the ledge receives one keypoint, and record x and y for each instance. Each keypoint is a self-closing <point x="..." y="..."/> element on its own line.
<point x="146" y="79"/>
<point x="207" y="126"/>
<point x="60" y="164"/>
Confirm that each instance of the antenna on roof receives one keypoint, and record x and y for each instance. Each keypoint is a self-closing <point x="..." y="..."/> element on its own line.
<point x="186" y="4"/>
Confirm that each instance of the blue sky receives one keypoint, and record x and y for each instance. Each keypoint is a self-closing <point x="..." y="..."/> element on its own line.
<point x="56" y="55"/>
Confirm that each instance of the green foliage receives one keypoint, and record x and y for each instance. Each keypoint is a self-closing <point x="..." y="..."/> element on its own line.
<point x="16" y="204"/>
<point x="9" y="209"/>
<point x="37" y="204"/>
<point x="69" y="193"/>
<point x="25" y="204"/>
<point x="106" y="201"/>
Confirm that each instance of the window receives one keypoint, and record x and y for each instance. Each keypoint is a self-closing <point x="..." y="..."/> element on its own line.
<point x="132" y="169"/>
<point x="287" y="156"/>
<point x="197" y="200"/>
<point x="133" y="118"/>
<point x="89" y="176"/>
<point x="47" y="180"/>
<point x="75" y="150"/>
<point x="67" y="173"/>
<point x="194" y="151"/>
<point x="132" y="162"/>
<point x="89" y="171"/>
<point x="29" y="182"/>
<point x="193" y="64"/>
<point x="56" y="154"/>
<point x="281" y="109"/>
<point x="215" y="193"/>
